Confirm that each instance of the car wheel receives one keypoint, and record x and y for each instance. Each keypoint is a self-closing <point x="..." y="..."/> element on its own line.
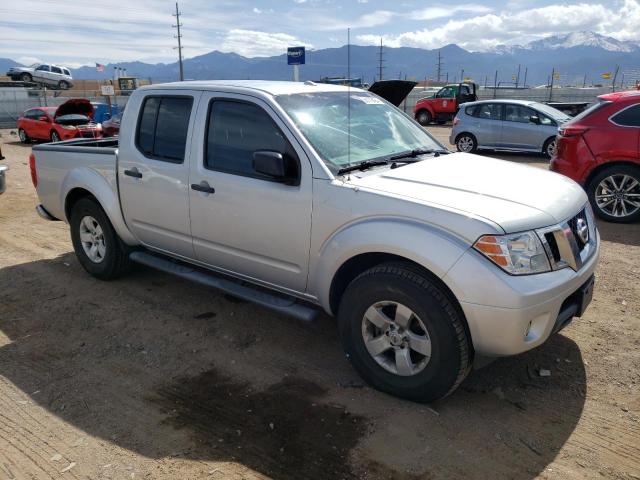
<point x="423" y="117"/>
<point x="24" y="138"/>
<point x="55" y="136"/>
<point x="403" y="334"/>
<point x="549" y="148"/>
<point x="466" y="143"/>
<point x="614" y="194"/>
<point x="26" y="77"/>
<point x="63" y="85"/>
<point x="96" y="244"/>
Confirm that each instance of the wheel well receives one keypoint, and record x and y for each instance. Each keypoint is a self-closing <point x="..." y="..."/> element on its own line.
<point x="363" y="262"/>
<point x="424" y="109"/>
<point x="72" y="198"/>
<point x="605" y="166"/>
<point x="466" y="133"/>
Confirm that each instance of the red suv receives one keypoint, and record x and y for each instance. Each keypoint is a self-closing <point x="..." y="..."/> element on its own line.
<point x="600" y="149"/>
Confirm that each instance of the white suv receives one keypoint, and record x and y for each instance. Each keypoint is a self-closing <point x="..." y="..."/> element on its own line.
<point x="50" y="75"/>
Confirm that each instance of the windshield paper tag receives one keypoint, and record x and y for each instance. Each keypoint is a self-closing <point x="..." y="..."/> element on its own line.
<point x="370" y="100"/>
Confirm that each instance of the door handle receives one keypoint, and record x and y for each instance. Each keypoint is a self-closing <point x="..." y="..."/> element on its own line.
<point x="202" y="187"/>
<point x="133" y="173"/>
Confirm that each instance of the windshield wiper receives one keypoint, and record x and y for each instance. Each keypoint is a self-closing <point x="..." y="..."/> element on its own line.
<point x="412" y="154"/>
<point x="362" y="166"/>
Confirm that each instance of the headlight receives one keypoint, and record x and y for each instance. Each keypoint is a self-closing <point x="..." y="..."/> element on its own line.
<point x="516" y="253"/>
<point x="68" y="127"/>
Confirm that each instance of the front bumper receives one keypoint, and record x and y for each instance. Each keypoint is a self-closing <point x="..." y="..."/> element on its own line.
<point x="508" y="315"/>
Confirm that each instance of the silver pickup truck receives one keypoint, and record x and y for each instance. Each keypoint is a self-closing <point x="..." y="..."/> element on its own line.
<point x="300" y="196"/>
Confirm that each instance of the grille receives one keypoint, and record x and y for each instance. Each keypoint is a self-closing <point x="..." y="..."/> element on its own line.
<point x="574" y="226"/>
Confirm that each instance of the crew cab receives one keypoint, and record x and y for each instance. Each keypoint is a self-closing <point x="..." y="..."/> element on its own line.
<point x="301" y="197"/>
<point x="444" y="104"/>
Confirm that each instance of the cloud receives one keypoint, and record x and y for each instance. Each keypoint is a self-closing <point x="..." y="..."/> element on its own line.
<point x="250" y="43"/>
<point x="485" y="31"/>
<point x="432" y="13"/>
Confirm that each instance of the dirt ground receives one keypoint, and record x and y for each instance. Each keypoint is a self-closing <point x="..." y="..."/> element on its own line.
<point x="154" y="377"/>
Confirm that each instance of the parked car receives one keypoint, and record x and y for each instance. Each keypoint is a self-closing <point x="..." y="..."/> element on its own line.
<point x="50" y="75"/>
<point x="72" y="119"/>
<point x="600" y="149"/>
<point x="512" y="125"/>
<point x="428" y="258"/>
<point x="111" y="127"/>
<point x="3" y="180"/>
<point x="444" y="105"/>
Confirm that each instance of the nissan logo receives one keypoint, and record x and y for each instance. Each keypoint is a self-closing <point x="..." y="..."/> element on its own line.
<point x="582" y="230"/>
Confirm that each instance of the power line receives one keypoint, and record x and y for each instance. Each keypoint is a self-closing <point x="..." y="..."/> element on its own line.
<point x="179" y="37"/>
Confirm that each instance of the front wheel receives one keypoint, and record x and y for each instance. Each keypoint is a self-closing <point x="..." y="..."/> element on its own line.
<point x="24" y="138"/>
<point x="63" y="85"/>
<point x="423" y="117"/>
<point x="614" y="194"/>
<point x="55" y="136"/>
<point x="403" y="334"/>
<point x="96" y="244"/>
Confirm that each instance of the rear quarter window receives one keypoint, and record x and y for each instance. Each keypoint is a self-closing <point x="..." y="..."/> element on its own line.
<point x="628" y="117"/>
<point x="471" y="111"/>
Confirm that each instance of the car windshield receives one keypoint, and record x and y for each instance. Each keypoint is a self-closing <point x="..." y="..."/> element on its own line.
<point x="376" y="129"/>
<point x="551" y="112"/>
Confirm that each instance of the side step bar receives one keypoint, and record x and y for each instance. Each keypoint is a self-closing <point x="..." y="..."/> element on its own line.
<point x="280" y="303"/>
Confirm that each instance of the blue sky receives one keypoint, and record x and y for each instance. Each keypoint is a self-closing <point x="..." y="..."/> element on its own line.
<point x="76" y="32"/>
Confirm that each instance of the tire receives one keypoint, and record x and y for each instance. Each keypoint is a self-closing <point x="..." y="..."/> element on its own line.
<point x="55" y="136"/>
<point x="601" y="190"/>
<point x="109" y="262"/>
<point x="26" y="77"/>
<point x="466" y="143"/>
<point x="24" y="138"/>
<point x="424" y="117"/>
<point x="549" y="148"/>
<point x="62" y="85"/>
<point x="434" y="320"/>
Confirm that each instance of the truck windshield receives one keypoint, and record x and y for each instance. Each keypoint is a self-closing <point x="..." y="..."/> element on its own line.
<point x="376" y="131"/>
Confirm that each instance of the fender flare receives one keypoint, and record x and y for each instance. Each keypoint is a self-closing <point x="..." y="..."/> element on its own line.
<point x="105" y="193"/>
<point x="402" y="237"/>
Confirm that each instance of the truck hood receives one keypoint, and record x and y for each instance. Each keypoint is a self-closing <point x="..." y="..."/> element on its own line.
<point x="393" y="91"/>
<point x="516" y="197"/>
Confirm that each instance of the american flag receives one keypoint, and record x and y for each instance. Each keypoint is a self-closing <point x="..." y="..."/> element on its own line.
<point x="99" y="67"/>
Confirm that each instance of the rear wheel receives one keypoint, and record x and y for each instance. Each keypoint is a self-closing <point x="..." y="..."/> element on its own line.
<point x="466" y="143"/>
<point x="614" y="194"/>
<point x="24" y="138"/>
<point x="549" y="148"/>
<point x="26" y="77"/>
<point x="423" y="117"/>
<point x="55" y="136"/>
<point x="96" y="244"/>
<point x="403" y="334"/>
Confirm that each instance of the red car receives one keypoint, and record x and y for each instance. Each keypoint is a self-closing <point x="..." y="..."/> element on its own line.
<point x="600" y="149"/>
<point x="72" y="119"/>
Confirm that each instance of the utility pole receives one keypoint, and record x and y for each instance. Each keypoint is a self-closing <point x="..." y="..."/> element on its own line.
<point x="380" y="60"/>
<point x="439" y="67"/>
<point x="553" y="74"/>
<point x="462" y="75"/>
<point x="518" y="77"/>
<point x="526" y="70"/>
<point x="179" y="37"/>
<point x="584" y="82"/>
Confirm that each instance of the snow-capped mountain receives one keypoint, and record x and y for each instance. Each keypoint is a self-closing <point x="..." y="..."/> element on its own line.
<point x="571" y="40"/>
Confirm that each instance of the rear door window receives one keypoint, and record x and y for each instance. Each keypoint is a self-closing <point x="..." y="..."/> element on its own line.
<point x="163" y="127"/>
<point x="43" y="68"/>
<point x="489" y="111"/>
<point x="518" y="113"/>
<point x="629" y="117"/>
<point x="56" y="70"/>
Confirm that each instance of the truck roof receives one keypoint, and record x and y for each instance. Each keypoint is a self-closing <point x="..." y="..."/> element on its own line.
<point x="271" y="87"/>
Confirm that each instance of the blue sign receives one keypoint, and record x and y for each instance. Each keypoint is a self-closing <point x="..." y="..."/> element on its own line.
<point x="295" y="55"/>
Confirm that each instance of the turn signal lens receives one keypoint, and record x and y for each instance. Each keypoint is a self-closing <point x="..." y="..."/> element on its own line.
<point x="517" y="253"/>
<point x="32" y="168"/>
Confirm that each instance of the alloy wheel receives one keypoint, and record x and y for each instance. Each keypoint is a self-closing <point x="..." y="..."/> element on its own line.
<point x="92" y="239"/>
<point x="618" y="195"/>
<point x="396" y="338"/>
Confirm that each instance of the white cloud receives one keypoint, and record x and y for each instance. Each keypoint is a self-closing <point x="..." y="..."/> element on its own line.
<point x="251" y="43"/>
<point x="485" y="31"/>
<point x="432" y="13"/>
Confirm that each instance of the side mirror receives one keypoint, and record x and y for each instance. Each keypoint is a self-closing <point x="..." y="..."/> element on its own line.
<point x="43" y="119"/>
<point x="534" y="119"/>
<point x="275" y="166"/>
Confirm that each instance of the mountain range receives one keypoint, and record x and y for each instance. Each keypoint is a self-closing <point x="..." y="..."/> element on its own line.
<point x="574" y="55"/>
